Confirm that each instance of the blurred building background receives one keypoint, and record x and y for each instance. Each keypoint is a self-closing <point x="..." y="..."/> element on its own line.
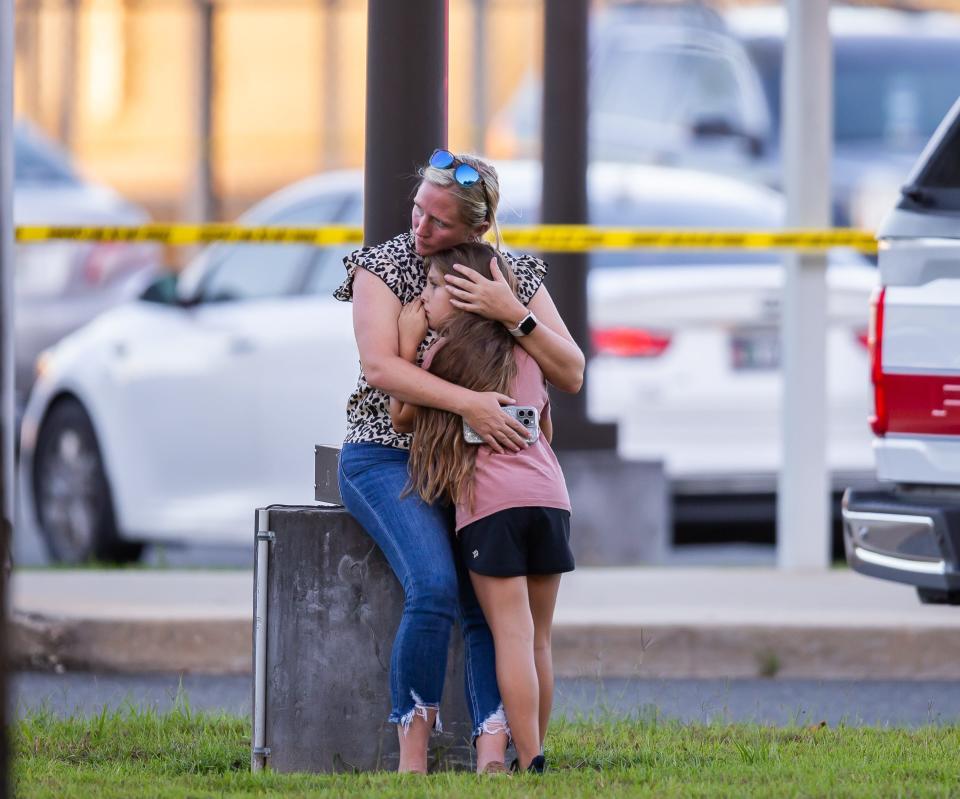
<point x="117" y="82"/>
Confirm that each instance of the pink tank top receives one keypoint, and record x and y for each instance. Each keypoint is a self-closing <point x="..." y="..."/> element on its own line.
<point x="529" y="478"/>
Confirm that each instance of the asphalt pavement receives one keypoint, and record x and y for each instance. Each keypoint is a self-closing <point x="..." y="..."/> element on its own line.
<point x="775" y="702"/>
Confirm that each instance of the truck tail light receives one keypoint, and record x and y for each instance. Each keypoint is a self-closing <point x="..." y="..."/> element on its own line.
<point x="629" y="342"/>
<point x="880" y="419"/>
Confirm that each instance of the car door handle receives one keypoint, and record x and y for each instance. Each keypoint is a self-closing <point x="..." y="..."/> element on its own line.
<point x="241" y="346"/>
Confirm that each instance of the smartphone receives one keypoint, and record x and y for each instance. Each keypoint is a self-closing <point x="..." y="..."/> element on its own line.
<point x="527" y="415"/>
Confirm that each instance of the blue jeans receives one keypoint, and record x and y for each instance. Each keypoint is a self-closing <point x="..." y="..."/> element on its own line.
<point x="415" y="538"/>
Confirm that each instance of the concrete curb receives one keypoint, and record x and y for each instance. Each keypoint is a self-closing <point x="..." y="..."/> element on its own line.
<point x="47" y="643"/>
<point x="206" y="646"/>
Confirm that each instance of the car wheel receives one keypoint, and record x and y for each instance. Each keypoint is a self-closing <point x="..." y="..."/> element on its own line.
<point x="71" y="494"/>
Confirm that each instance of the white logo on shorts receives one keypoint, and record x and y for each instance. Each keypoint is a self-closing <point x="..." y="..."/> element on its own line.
<point x="476" y="553"/>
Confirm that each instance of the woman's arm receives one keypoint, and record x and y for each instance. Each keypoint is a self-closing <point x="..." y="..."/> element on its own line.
<point x="375" y="313"/>
<point x="550" y="344"/>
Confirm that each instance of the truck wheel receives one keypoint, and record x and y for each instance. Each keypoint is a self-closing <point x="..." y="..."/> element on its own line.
<point x="937" y="596"/>
<point x="71" y="494"/>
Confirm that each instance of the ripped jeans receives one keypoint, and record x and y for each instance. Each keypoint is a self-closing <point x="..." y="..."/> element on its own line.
<point x="415" y="539"/>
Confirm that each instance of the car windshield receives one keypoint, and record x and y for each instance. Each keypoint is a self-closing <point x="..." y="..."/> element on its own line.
<point x="36" y="161"/>
<point x="887" y="93"/>
<point x="679" y="87"/>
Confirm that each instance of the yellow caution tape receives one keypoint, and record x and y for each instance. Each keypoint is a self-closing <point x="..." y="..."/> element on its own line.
<point x="176" y="234"/>
<point x="545" y="238"/>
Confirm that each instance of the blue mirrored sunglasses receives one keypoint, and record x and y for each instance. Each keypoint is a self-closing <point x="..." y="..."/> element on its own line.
<point x="463" y="173"/>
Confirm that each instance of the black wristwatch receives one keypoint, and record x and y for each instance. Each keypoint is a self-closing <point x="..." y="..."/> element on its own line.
<point x="524" y="327"/>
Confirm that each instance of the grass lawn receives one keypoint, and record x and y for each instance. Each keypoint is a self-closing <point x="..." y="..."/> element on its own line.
<point x="135" y="753"/>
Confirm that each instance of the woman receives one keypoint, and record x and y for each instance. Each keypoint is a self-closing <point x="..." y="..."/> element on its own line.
<point x="456" y="201"/>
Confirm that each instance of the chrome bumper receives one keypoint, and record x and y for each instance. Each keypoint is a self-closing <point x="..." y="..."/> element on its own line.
<point x="911" y="540"/>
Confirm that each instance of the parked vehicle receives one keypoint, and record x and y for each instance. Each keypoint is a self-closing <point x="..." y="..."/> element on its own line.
<point x="59" y="286"/>
<point x="895" y="76"/>
<point x="172" y="419"/>
<point x="664" y="88"/>
<point x="909" y="532"/>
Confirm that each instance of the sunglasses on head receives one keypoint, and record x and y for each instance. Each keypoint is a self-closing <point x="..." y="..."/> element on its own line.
<point x="463" y="173"/>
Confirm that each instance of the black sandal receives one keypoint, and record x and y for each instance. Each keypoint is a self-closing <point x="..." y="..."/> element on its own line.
<point x="537" y="765"/>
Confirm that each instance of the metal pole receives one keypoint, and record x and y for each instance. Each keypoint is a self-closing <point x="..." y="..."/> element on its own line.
<point x="7" y="487"/>
<point x="803" y="504"/>
<point x="258" y="757"/>
<point x="406" y="106"/>
<point x="479" y="74"/>
<point x="565" y="200"/>
<point x="331" y="86"/>
<point x="202" y="201"/>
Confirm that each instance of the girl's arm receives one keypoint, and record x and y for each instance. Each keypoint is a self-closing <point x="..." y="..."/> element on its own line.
<point x="412" y="328"/>
<point x="550" y="344"/>
<point x="402" y="415"/>
<point x="376" y="310"/>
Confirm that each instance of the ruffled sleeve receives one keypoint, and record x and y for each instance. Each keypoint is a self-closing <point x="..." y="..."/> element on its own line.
<point x="530" y="272"/>
<point x="388" y="261"/>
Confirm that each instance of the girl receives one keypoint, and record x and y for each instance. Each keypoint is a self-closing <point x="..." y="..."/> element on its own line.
<point x="512" y="509"/>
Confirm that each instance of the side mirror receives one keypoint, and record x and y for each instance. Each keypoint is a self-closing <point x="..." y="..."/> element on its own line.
<point x="722" y="128"/>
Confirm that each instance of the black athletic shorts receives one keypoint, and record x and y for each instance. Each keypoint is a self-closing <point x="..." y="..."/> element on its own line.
<point x="518" y="541"/>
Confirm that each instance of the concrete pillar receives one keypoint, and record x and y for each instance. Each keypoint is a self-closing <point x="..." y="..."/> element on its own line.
<point x="564" y="201"/>
<point x="803" y="504"/>
<point x="621" y="509"/>
<point x="332" y="609"/>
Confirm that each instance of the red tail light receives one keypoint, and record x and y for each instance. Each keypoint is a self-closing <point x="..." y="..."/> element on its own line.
<point x="629" y="342"/>
<point x="863" y="336"/>
<point x="880" y="420"/>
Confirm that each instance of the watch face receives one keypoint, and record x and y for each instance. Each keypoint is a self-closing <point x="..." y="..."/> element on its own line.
<point x="528" y="324"/>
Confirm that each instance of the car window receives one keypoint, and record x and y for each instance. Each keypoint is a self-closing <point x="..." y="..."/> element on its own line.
<point x="261" y="271"/>
<point x="894" y="96"/>
<point x="37" y="161"/>
<point x="327" y="271"/>
<point x="937" y="182"/>
<point x="889" y="94"/>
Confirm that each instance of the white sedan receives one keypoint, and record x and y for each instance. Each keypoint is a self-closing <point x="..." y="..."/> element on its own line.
<point x="173" y="417"/>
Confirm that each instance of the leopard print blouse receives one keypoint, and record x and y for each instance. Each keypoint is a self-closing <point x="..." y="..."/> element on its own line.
<point x="397" y="264"/>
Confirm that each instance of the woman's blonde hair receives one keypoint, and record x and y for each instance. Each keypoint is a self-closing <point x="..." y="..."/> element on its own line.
<point x="478" y="354"/>
<point x="478" y="203"/>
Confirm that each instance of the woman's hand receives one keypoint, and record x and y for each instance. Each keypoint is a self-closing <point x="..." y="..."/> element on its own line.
<point x="499" y="431"/>
<point x="412" y="324"/>
<point x="491" y="299"/>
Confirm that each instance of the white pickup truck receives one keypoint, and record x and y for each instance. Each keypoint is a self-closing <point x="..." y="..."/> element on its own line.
<point x="910" y="532"/>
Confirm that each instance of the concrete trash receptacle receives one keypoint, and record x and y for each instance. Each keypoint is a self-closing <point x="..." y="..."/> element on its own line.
<point x="322" y="643"/>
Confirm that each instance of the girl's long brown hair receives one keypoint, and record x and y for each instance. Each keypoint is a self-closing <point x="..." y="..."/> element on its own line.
<point x="477" y="353"/>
